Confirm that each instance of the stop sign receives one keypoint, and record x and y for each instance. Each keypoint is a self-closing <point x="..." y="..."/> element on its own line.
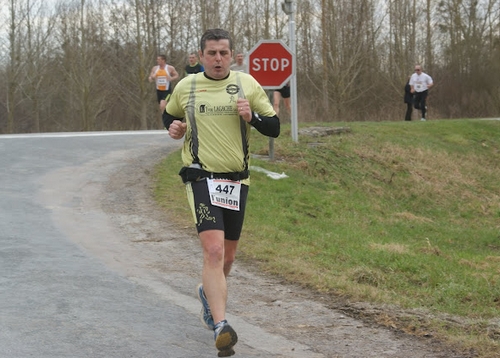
<point x="270" y="63"/>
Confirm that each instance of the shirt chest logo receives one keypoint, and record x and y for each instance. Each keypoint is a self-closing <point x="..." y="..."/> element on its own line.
<point x="232" y="89"/>
<point x="208" y="109"/>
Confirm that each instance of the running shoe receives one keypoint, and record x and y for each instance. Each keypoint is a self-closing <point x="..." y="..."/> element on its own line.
<point x="205" y="314"/>
<point x="225" y="339"/>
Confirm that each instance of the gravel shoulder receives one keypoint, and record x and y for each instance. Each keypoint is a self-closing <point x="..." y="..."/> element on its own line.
<point x="154" y="252"/>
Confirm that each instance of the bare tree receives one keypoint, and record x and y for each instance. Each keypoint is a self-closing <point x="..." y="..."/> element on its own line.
<point x="144" y="11"/>
<point x="84" y="63"/>
<point x="14" y="66"/>
<point x="210" y="14"/>
<point x="469" y="50"/>
<point x="39" y="26"/>
<point x="84" y="66"/>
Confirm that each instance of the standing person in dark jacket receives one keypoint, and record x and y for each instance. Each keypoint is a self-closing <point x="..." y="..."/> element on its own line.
<point x="408" y="99"/>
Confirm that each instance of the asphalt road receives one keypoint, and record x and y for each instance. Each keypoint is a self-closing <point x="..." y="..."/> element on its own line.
<point x="90" y="268"/>
<point x="56" y="298"/>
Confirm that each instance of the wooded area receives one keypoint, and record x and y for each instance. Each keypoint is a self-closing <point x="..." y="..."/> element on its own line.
<point x="81" y="65"/>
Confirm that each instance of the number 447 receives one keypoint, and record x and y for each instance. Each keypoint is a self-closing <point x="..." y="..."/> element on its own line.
<point x="226" y="189"/>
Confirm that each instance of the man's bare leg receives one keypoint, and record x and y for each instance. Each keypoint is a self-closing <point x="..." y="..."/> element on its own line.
<point x="288" y="105"/>
<point x="276" y="102"/>
<point x="215" y="287"/>
<point x="163" y="104"/>
<point x="213" y="278"/>
<point x="229" y="255"/>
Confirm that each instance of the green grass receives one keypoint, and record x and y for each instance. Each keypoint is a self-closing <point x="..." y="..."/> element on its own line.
<point x="396" y="213"/>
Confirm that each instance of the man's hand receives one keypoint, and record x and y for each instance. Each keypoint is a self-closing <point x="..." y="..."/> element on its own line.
<point x="177" y="129"/>
<point x="244" y="109"/>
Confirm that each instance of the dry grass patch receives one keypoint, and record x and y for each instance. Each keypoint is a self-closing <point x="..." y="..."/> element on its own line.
<point x="408" y="217"/>
<point x="392" y="247"/>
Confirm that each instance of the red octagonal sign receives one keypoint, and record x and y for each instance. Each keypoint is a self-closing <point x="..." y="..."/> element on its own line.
<point x="270" y="63"/>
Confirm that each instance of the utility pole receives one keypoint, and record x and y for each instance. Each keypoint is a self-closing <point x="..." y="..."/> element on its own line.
<point x="288" y="7"/>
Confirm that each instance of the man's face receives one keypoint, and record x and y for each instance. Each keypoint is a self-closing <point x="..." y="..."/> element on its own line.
<point x="239" y="59"/>
<point x="160" y="61"/>
<point x="216" y="58"/>
<point x="192" y="59"/>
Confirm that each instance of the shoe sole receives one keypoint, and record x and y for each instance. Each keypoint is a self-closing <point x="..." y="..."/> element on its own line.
<point x="202" y="312"/>
<point x="226" y="339"/>
<point x="227" y="353"/>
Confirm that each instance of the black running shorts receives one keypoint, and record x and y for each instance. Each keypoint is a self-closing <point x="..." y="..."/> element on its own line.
<point x="285" y="91"/>
<point x="209" y="217"/>
<point x="162" y="95"/>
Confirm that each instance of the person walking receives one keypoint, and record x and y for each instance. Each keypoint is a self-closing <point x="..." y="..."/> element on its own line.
<point x="193" y="65"/>
<point x="240" y="64"/>
<point x="163" y="75"/>
<point x="214" y="112"/>
<point x="420" y="84"/>
<point x="408" y="99"/>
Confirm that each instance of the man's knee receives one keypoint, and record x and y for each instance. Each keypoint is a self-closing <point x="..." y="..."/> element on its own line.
<point x="213" y="247"/>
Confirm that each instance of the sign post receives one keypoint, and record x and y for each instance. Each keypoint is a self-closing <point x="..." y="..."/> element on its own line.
<point x="288" y="7"/>
<point x="271" y="63"/>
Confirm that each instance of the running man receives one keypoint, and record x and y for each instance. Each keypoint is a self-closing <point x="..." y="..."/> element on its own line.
<point x="214" y="112"/>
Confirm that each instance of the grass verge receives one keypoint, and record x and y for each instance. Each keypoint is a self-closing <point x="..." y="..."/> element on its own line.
<point x="398" y="213"/>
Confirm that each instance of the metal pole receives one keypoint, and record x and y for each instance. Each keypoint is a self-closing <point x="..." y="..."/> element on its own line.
<point x="293" y="82"/>
<point x="271" y="139"/>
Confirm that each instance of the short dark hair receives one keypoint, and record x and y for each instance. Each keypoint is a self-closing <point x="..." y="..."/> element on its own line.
<point x="215" y="34"/>
<point x="163" y="57"/>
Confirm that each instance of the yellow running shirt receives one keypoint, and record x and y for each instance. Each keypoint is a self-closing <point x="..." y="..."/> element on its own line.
<point x="215" y="133"/>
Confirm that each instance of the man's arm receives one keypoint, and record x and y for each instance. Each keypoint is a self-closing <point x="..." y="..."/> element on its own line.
<point x="152" y="74"/>
<point x="168" y="119"/>
<point x="173" y="73"/>
<point x="430" y="82"/>
<point x="269" y="126"/>
<point x="177" y="129"/>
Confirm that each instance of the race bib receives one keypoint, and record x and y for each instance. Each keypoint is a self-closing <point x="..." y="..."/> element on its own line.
<point x="162" y="81"/>
<point x="224" y="193"/>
